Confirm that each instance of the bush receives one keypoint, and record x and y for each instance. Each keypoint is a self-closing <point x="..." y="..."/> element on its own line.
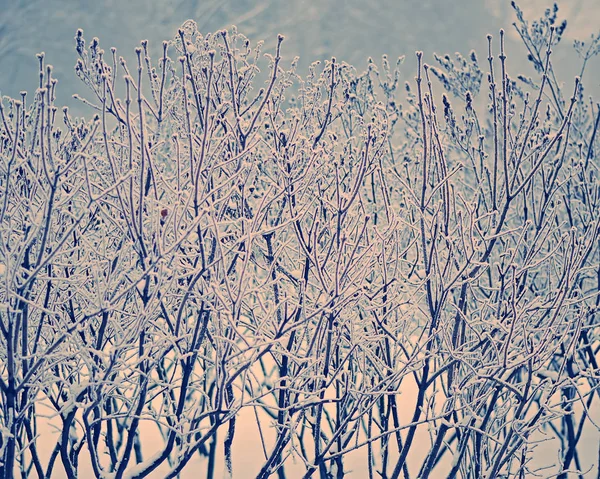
<point x="412" y="280"/>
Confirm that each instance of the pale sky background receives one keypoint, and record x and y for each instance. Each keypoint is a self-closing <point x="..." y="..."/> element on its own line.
<point x="351" y="30"/>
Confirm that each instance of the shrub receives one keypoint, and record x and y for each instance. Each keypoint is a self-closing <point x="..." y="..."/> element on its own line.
<point x="401" y="278"/>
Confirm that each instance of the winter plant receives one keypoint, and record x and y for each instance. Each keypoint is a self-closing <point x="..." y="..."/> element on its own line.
<point x="407" y="275"/>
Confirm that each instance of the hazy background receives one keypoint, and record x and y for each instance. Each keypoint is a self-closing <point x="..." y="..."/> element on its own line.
<point x="351" y="30"/>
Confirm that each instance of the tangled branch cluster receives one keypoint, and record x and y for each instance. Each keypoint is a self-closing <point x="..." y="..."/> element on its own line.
<point x="363" y="268"/>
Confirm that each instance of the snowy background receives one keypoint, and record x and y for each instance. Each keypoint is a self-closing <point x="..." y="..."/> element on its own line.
<point x="351" y="30"/>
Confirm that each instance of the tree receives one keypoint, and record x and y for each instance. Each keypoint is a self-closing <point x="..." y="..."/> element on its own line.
<point x="354" y="269"/>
